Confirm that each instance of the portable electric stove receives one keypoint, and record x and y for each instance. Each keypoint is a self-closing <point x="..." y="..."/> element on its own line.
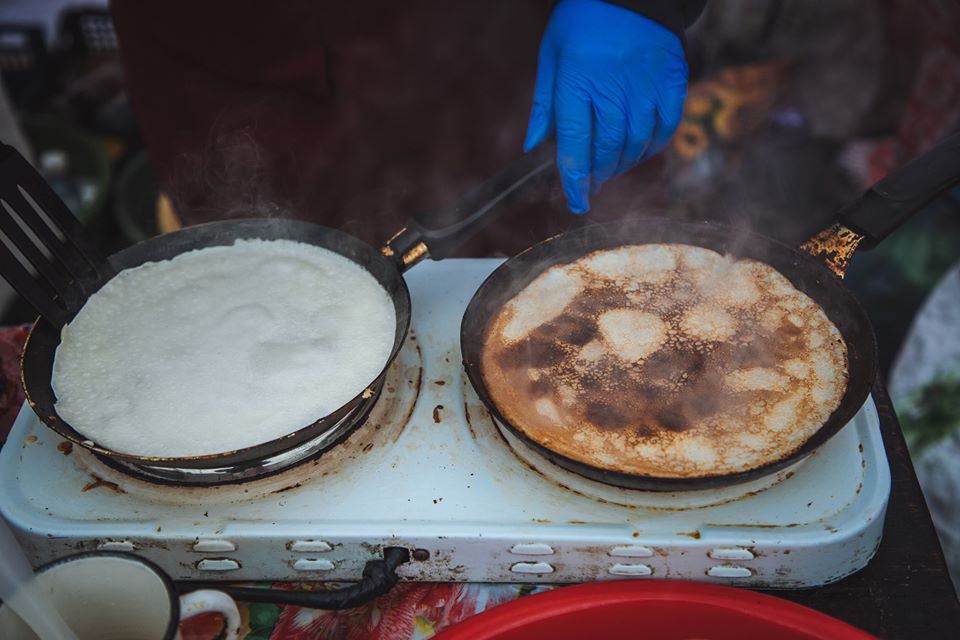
<point x="431" y="471"/>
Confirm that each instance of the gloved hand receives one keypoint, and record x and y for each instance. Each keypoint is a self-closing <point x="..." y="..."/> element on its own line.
<point x="611" y="84"/>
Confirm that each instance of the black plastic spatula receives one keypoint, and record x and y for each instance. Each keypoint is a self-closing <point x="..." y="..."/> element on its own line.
<point x="46" y="254"/>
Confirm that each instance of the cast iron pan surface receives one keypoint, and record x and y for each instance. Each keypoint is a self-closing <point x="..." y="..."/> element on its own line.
<point x="805" y="272"/>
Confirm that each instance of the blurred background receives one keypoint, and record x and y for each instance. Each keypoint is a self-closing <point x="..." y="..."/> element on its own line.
<point x="147" y="115"/>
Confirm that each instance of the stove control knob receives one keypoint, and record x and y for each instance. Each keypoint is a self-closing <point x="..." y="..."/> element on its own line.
<point x="631" y="570"/>
<point x="213" y="545"/>
<point x="532" y="567"/>
<point x="729" y="571"/>
<point x="532" y="549"/>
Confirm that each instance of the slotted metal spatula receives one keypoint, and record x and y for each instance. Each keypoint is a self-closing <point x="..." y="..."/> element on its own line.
<point x="46" y="254"/>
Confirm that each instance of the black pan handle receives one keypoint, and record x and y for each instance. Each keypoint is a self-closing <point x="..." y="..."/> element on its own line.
<point x="893" y="200"/>
<point x="379" y="576"/>
<point x="433" y="235"/>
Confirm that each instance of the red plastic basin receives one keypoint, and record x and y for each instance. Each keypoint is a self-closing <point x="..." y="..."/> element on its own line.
<point x="654" y="610"/>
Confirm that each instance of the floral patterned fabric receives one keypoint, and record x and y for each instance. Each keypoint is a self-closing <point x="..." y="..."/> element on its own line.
<point x="415" y="610"/>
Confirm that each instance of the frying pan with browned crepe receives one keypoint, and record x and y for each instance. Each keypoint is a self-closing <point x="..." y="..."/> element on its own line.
<point x="815" y="269"/>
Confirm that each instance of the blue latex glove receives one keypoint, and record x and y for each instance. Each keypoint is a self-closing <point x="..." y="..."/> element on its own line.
<point x="611" y="84"/>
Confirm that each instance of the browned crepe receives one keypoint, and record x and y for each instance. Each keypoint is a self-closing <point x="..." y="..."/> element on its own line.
<point x="665" y="360"/>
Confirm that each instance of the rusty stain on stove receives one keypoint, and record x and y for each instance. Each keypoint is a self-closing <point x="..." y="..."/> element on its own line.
<point x="436" y="413"/>
<point x="695" y="534"/>
<point x="100" y="482"/>
<point x="148" y="543"/>
<point x="466" y="414"/>
<point x="295" y="485"/>
<point x="836" y="245"/>
<point x="30" y="439"/>
<point x="753" y="525"/>
<point x="65" y="447"/>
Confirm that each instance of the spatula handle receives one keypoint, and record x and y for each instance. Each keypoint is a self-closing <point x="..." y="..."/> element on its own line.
<point x="893" y="200"/>
<point x="439" y="233"/>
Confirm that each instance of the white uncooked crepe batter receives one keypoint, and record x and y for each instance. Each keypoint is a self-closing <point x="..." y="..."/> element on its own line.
<point x="221" y="348"/>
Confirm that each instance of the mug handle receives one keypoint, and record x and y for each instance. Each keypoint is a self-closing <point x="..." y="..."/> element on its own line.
<point x="210" y="600"/>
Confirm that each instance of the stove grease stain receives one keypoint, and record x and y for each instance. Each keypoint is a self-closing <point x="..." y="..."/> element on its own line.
<point x="100" y="482"/>
<point x="65" y="447"/>
<point x="296" y="485"/>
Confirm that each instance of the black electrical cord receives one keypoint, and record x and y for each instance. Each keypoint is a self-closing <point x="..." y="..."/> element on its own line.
<point x="379" y="576"/>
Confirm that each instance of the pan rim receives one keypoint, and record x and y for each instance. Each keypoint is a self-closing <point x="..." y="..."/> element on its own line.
<point x="858" y="394"/>
<point x="243" y="454"/>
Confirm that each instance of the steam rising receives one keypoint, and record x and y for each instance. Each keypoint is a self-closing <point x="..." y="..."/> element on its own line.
<point x="230" y="178"/>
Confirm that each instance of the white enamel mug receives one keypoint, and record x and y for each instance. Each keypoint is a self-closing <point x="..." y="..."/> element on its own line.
<point x="118" y="596"/>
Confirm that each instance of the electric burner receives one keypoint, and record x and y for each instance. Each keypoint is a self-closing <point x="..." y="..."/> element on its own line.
<point x="430" y="469"/>
<point x="251" y="470"/>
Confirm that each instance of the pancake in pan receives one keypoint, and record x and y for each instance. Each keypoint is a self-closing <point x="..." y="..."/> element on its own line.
<point x="665" y="360"/>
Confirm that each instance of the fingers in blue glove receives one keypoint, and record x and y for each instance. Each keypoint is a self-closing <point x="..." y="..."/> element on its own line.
<point x="641" y="125"/>
<point x="610" y="84"/>
<point x="540" y="125"/>
<point x="573" y="112"/>
<point x="669" y="115"/>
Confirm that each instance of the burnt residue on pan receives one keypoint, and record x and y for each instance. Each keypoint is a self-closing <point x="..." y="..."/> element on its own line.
<point x="835" y="245"/>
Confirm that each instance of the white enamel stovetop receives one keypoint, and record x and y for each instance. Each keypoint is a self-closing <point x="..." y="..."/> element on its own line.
<point x="430" y="470"/>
